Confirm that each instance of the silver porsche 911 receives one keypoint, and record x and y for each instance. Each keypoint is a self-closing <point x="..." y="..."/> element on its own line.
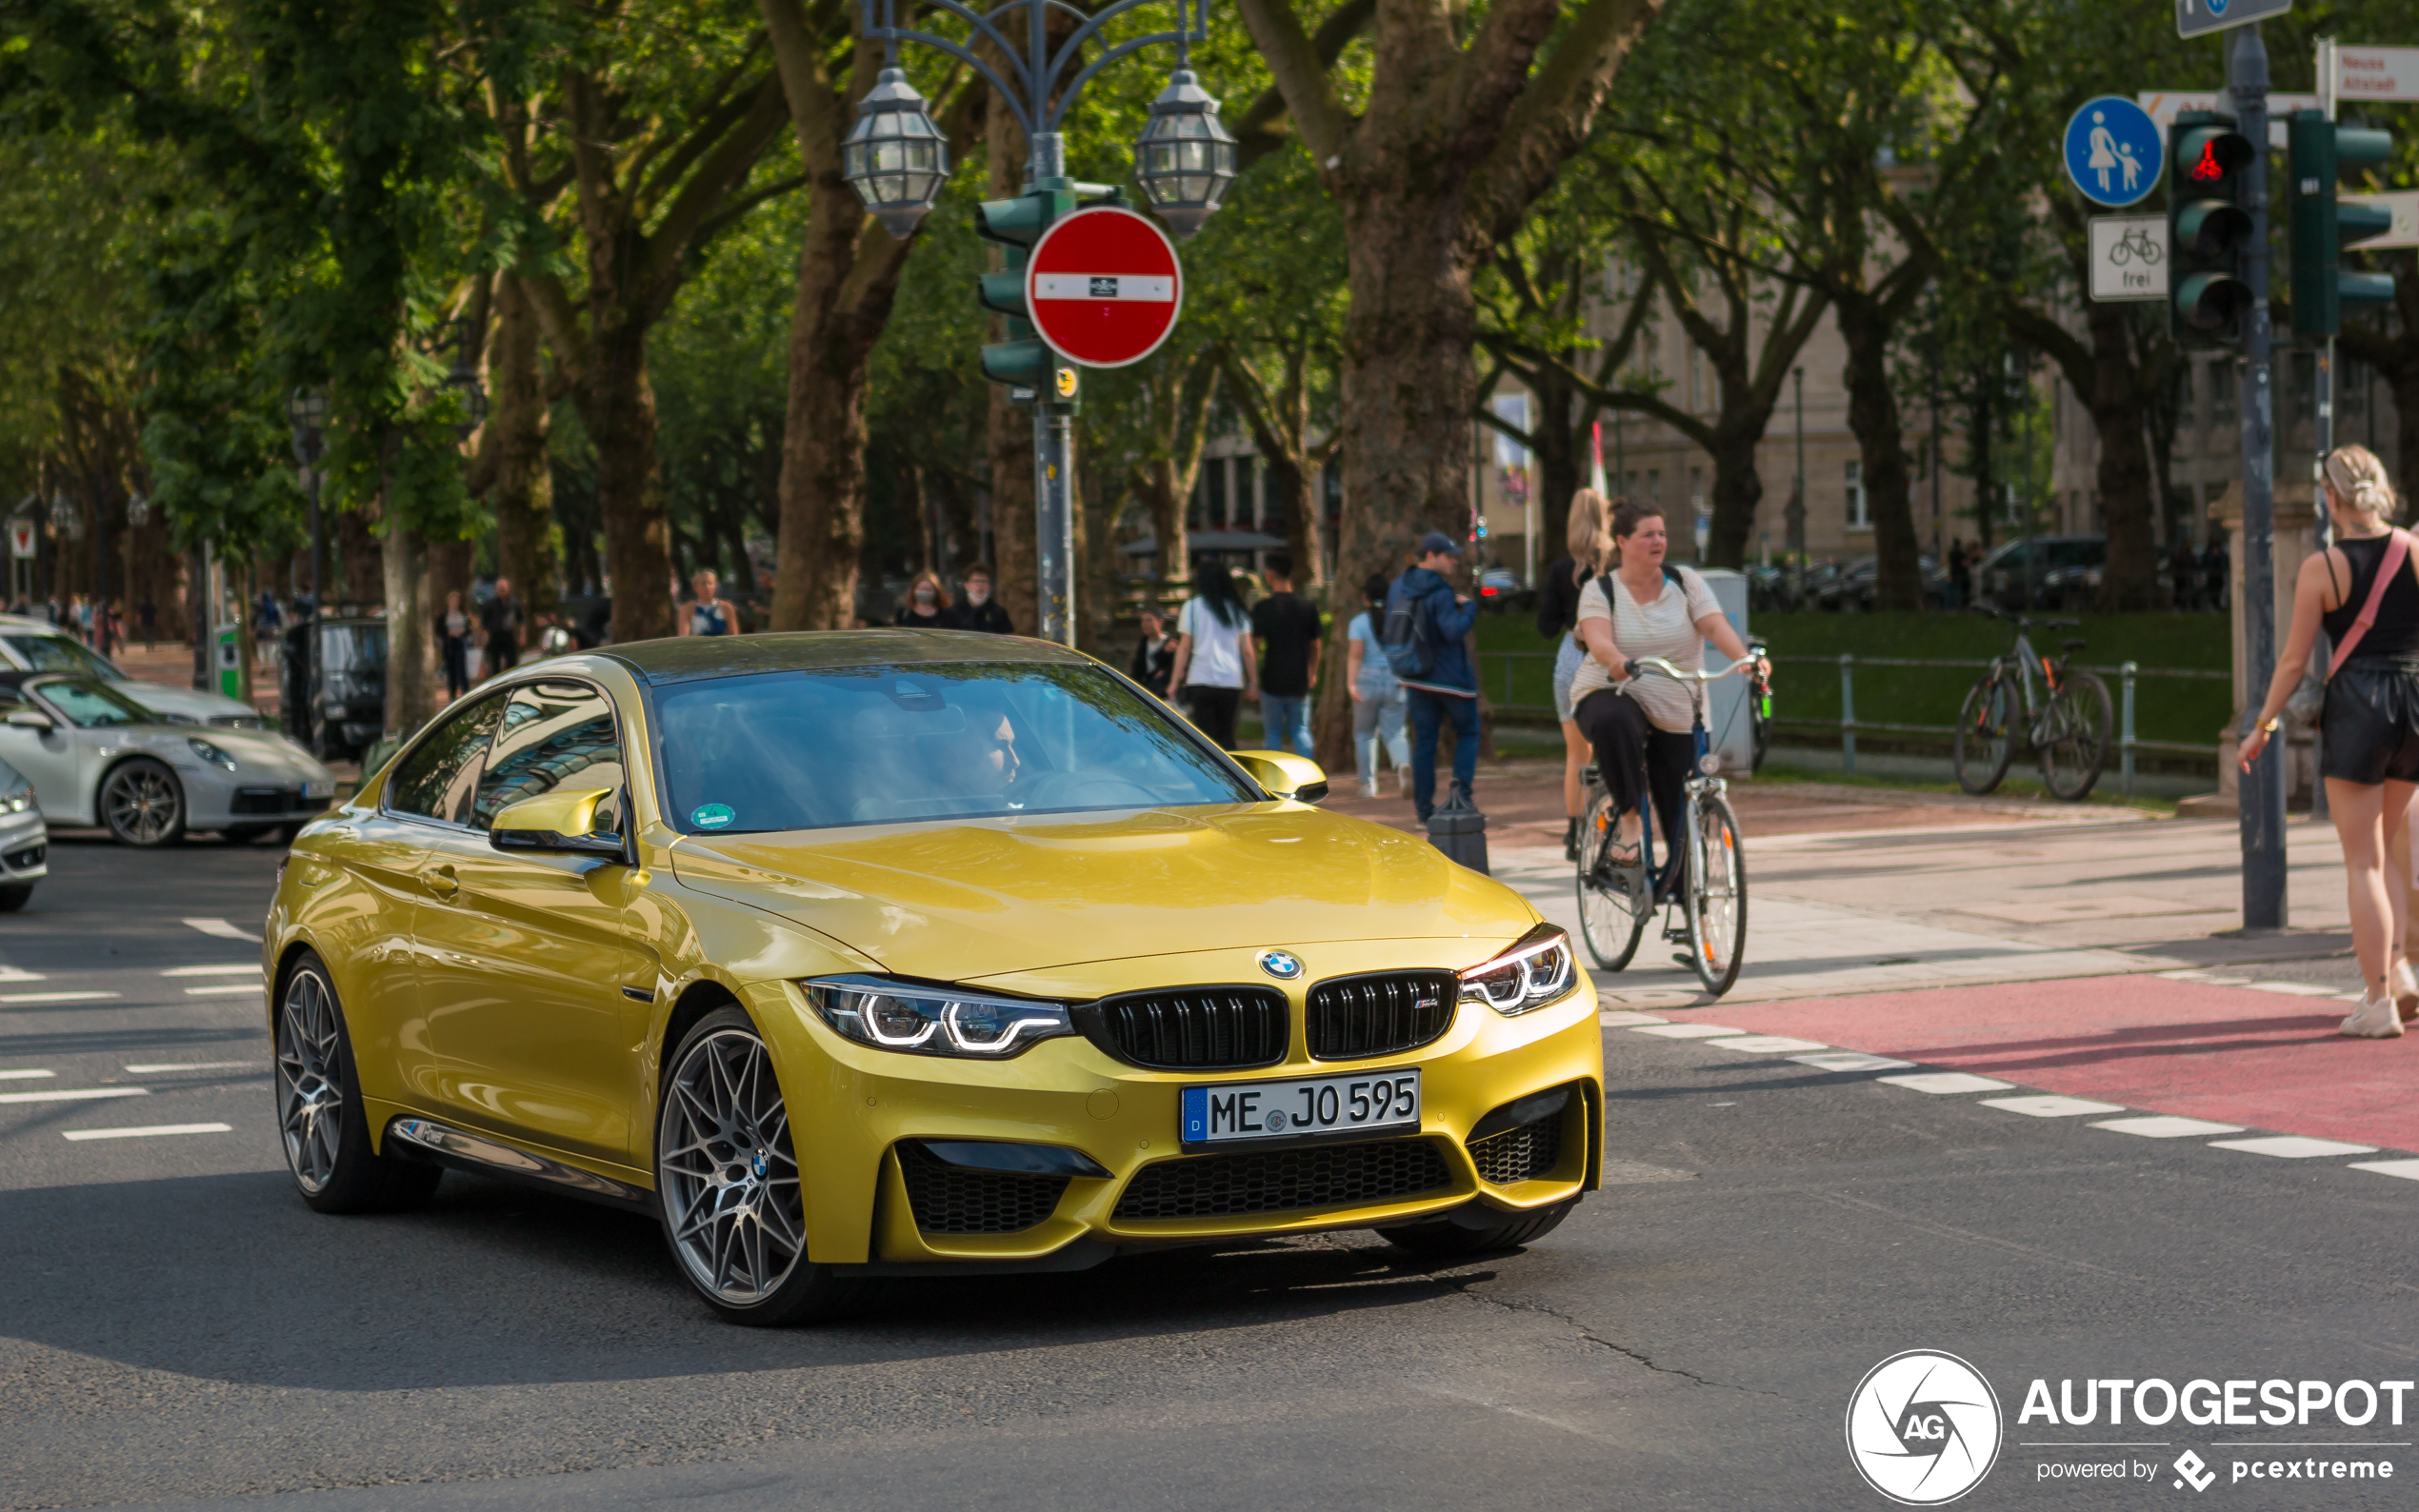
<point x="96" y="757"/>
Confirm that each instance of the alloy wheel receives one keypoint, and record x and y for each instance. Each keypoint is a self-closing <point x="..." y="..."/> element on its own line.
<point x="141" y="804"/>
<point x="725" y="1172"/>
<point x="311" y="1085"/>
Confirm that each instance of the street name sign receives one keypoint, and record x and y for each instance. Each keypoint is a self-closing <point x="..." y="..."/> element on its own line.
<point x="1102" y="286"/>
<point x="2114" y="150"/>
<point x="2376" y="73"/>
<point x="2128" y="257"/>
<point x="2405" y="208"/>
<point x="2165" y="104"/>
<point x="2198" y="17"/>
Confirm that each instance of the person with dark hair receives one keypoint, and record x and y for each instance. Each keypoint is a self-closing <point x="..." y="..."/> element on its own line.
<point x="453" y="645"/>
<point x="1378" y="699"/>
<point x="1448" y="691"/>
<point x="981" y="611"/>
<point x="501" y="620"/>
<point x="1287" y="628"/>
<point x="1155" y="652"/>
<point x="1217" y="667"/>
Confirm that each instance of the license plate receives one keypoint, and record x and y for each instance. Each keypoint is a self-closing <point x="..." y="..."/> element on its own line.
<point x="1320" y="1105"/>
<point x="320" y="789"/>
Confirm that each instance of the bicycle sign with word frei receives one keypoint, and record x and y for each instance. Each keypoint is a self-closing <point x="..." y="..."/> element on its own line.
<point x="2128" y="257"/>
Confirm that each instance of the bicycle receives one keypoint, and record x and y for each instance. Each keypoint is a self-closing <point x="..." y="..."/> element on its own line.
<point x="1705" y="878"/>
<point x="2135" y="242"/>
<point x="2066" y="727"/>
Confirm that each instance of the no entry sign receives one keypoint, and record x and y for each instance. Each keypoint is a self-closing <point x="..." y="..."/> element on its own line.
<point x="1102" y="286"/>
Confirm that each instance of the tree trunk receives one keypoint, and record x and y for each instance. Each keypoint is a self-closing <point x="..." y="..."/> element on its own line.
<point x="411" y="670"/>
<point x="1558" y="447"/>
<point x="617" y="404"/>
<point x="2119" y="414"/>
<point x="523" y="493"/>
<point x="823" y="443"/>
<point x="1872" y="414"/>
<point x="1738" y="489"/>
<point x="362" y="582"/>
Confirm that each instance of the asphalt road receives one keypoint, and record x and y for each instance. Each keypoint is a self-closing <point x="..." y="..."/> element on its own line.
<point x="176" y="1328"/>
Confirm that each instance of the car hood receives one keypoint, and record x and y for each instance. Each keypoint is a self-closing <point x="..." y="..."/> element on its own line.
<point x="260" y="756"/>
<point x="184" y="703"/>
<point x="959" y="901"/>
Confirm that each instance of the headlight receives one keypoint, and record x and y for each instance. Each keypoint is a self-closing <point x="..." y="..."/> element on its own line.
<point x="935" y="1020"/>
<point x="1529" y="975"/>
<point x="210" y="753"/>
<point x="16" y="800"/>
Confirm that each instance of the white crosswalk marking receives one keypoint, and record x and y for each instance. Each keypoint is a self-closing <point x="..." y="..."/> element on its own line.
<point x="154" y="1068"/>
<point x="26" y="1075"/>
<point x="58" y="997"/>
<point x="1945" y="1083"/>
<point x="220" y="929"/>
<point x="237" y="990"/>
<point x="145" y="1133"/>
<point x="78" y="1095"/>
<point x="2167" y="1126"/>
<point x="246" y="970"/>
<point x="2292" y="1146"/>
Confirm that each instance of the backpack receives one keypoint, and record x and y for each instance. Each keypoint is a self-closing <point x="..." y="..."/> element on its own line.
<point x="1408" y="634"/>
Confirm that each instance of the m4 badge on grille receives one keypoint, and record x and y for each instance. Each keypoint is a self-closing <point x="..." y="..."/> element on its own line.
<point x="1283" y="964"/>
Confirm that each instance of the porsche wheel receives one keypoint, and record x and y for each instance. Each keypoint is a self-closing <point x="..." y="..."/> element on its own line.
<point x="15" y="896"/>
<point x="726" y="1175"/>
<point x="319" y="1116"/>
<point x="143" y="804"/>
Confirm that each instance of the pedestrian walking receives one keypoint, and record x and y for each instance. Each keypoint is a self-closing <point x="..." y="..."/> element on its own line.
<point x="2364" y="590"/>
<point x="981" y="611"/>
<point x="1642" y="726"/>
<point x="710" y="613"/>
<point x="501" y="620"/>
<point x="1217" y="667"/>
<point x="1589" y="539"/>
<point x="1961" y="574"/>
<point x="2183" y="572"/>
<point x="1155" y="652"/>
<point x="148" y="614"/>
<point x="1447" y="693"/>
<point x="926" y="606"/>
<point x="265" y="617"/>
<point x="1379" y="703"/>
<point x="1287" y="628"/>
<point x="453" y="645"/>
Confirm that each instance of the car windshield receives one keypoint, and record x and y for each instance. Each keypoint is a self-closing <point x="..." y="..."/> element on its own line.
<point x="57" y="653"/>
<point x="88" y="705"/>
<point x="890" y="744"/>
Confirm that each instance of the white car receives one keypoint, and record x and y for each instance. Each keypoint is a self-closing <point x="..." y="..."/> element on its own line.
<point x="30" y="644"/>
<point x="24" y="841"/>
<point x="96" y="757"/>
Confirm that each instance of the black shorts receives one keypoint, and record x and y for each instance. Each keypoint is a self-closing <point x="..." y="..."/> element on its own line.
<point x="2369" y="727"/>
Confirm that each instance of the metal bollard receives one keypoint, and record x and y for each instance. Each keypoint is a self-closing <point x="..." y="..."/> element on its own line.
<point x="1847" y="714"/>
<point x="2124" y="736"/>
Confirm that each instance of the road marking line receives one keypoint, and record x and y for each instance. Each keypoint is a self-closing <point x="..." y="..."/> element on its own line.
<point x="248" y="971"/>
<point x="1628" y="1021"/>
<point x="221" y="929"/>
<point x="2052" y="1107"/>
<point x="1767" y="1044"/>
<point x="79" y="1095"/>
<point x="1850" y="1060"/>
<point x="197" y="1065"/>
<point x="236" y="990"/>
<point x="2184" y="975"/>
<point x="2408" y="1170"/>
<point x="24" y="1076"/>
<point x="2292" y="1146"/>
<point x="57" y="997"/>
<point x="1944" y="1082"/>
<point x="145" y="1133"/>
<point x="2297" y="989"/>
<point x="20" y="974"/>
<point x="1687" y="1032"/>
<point x="2167" y="1126"/>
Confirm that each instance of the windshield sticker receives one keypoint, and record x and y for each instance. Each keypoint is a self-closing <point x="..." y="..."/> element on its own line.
<point x="712" y="816"/>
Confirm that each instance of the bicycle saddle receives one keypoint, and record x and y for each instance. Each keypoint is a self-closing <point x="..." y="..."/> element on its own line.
<point x="2073" y="643"/>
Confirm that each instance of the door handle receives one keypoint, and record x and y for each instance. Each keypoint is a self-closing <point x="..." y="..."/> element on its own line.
<point x="442" y="882"/>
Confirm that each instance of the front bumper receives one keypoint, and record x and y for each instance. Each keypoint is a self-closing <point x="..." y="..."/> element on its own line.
<point x="861" y="1115"/>
<point x="25" y="847"/>
<point x="217" y="799"/>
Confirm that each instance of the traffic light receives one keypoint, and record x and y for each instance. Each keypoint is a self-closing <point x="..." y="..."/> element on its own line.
<point x="2207" y="229"/>
<point x="2323" y="226"/>
<point x="1016" y="225"/>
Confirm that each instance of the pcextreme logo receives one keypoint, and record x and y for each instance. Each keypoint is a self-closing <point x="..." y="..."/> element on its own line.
<point x="1923" y="1427"/>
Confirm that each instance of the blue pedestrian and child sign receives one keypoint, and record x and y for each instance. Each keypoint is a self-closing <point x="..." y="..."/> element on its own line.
<point x="2113" y="151"/>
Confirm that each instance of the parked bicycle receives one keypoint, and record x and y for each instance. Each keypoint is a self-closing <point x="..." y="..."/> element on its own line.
<point x="1704" y="877"/>
<point x="2066" y="723"/>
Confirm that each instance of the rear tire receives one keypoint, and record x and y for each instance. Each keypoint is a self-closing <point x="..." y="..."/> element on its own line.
<point x="2075" y="736"/>
<point x="16" y="897"/>
<point x="1614" y="901"/>
<point x="143" y="804"/>
<point x="1445" y="1237"/>
<point x="1980" y="747"/>
<point x="320" y="1122"/>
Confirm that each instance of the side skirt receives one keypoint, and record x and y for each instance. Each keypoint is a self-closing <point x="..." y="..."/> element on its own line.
<point x="484" y="1155"/>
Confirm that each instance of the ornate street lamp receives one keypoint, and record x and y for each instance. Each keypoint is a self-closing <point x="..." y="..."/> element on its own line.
<point x="65" y="519"/>
<point x="1185" y="156"/>
<point x="896" y="157"/>
<point x="464" y="380"/>
<point x="138" y="511"/>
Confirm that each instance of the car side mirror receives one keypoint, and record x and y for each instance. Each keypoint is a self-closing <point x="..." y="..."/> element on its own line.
<point x="562" y="823"/>
<point x="31" y="719"/>
<point x="1284" y="774"/>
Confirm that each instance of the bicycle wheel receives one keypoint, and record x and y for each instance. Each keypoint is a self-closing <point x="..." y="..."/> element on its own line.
<point x="2074" y="736"/>
<point x="1982" y="745"/>
<point x="1716" y="894"/>
<point x="1614" y="901"/>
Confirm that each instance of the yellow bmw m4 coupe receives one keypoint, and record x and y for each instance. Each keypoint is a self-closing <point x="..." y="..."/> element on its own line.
<point x="898" y="952"/>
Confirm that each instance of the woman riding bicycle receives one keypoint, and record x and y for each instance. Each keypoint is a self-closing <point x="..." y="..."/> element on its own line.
<point x="1640" y="727"/>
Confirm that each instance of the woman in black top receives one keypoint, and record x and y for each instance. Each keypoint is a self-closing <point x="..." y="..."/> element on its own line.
<point x="1154" y="654"/>
<point x="1591" y="539"/>
<point x="2369" y="724"/>
<point x="926" y="606"/>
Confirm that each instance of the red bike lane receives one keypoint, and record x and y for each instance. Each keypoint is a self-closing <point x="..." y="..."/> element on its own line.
<point x="2230" y="1054"/>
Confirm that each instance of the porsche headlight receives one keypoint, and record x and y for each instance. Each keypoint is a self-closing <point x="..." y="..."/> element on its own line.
<point x="935" y="1020"/>
<point x="1529" y="975"/>
<point x="16" y="800"/>
<point x="210" y="753"/>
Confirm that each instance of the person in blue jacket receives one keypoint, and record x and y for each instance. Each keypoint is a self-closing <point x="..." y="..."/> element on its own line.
<point x="1448" y="691"/>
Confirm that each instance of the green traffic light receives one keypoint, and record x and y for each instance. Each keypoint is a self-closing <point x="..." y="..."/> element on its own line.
<point x="2323" y="227"/>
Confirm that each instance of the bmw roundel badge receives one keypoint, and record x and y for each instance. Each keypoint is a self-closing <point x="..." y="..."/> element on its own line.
<point x="1283" y="964"/>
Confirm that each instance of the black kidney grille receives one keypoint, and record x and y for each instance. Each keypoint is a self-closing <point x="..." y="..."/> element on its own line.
<point x="1352" y="1017"/>
<point x="949" y="1200"/>
<point x="1282" y="1181"/>
<point x="1523" y="1154"/>
<point x="1196" y="1028"/>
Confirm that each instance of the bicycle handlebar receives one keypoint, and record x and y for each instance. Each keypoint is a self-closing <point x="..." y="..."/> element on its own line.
<point x="1679" y="674"/>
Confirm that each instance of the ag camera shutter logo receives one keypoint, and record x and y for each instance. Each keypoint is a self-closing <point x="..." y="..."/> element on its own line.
<point x="1923" y="1427"/>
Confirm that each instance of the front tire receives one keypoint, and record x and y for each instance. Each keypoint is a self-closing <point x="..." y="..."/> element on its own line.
<point x="143" y="804"/>
<point x="15" y="897"/>
<point x="1984" y="738"/>
<point x="1716" y="897"/>
<point x="1445" y="1239"/>
<point x="726" y="1175"/>
<point x="320" y="1120"/>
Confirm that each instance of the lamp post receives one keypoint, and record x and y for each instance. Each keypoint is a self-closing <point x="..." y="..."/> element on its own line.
<point x="307" y="409"/>
<point x="1798" y="489"/>
<point x="896" y="160"/>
